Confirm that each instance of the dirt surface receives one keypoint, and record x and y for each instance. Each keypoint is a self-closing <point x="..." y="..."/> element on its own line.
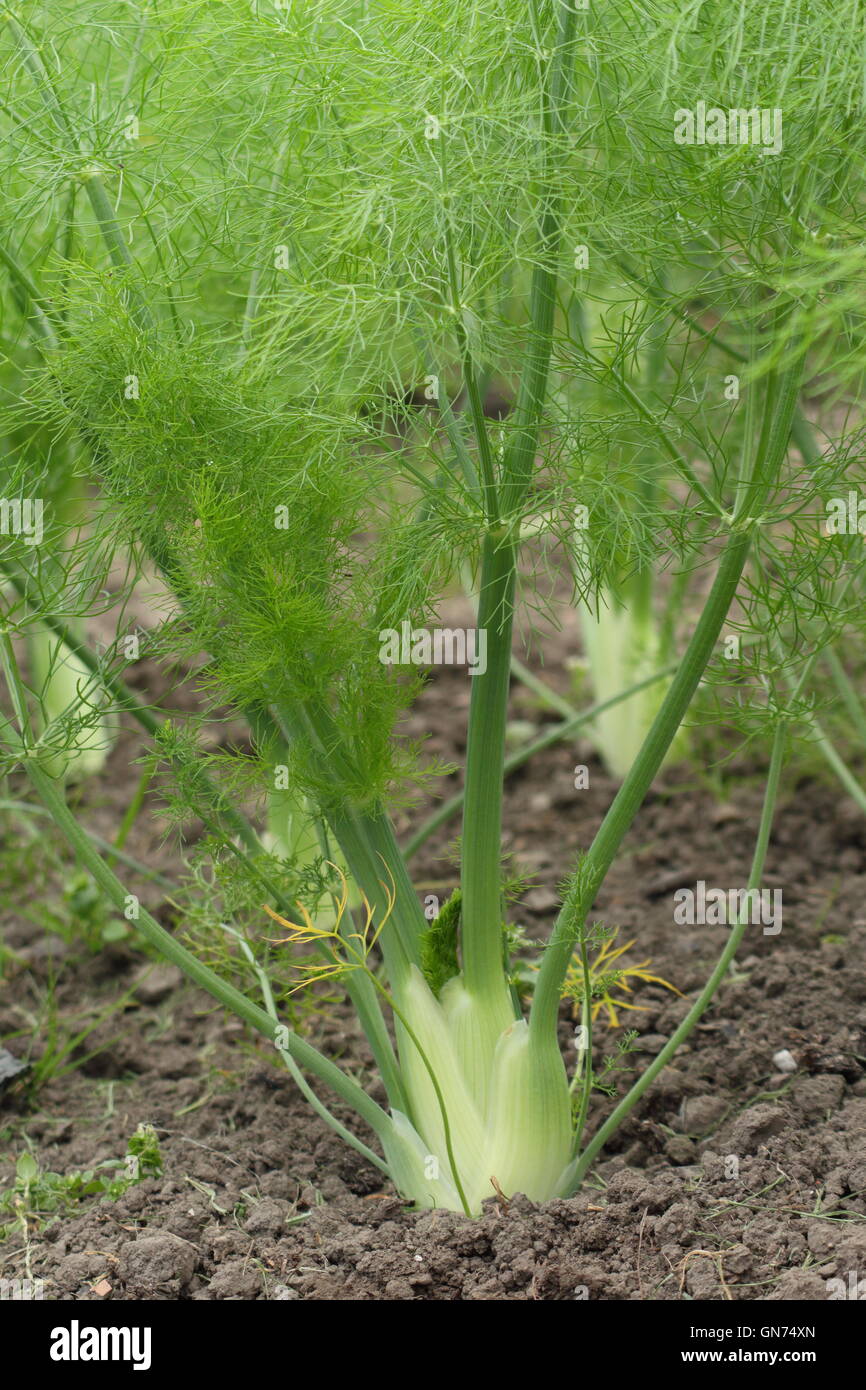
<point x="732" y="1180"/>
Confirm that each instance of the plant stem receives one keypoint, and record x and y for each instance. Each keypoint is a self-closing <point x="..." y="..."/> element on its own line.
<point x="781" y="402"/>
<point x="481" y="935"/>
<point x="586" y="1044"/>
<point x="847" y="692"/>
<point x="366" y="838"/>
<point x="303" y="1086"/>
<point x="251" y="308"/>
<point x="706" y="995"/>
<point x="372" y="855"/>
<point x="91" y="178"/>
<point x="481" y="866"/>
<point x="133" y="809"/>
<point x="625" y="806"/>
<point x="39" y="316"/>
<point x="467" y="363"/>
<point x="545" y="694"/>
<point x="362" y="995"/>
<point x="520" y="455"/>
<point x="821" y="739"/>
<point x="836" y="762"/>
<point x="226" y="994"/>
<point x="23" y="809"/>
<point x="127" y="700"/>
<point x="553" y="735"/>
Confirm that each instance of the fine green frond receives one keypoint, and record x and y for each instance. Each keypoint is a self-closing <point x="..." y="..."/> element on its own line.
<point x="439" y="960"/>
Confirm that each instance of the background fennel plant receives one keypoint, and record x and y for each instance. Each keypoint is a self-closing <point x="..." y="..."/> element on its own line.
<point x="242" y="316"/>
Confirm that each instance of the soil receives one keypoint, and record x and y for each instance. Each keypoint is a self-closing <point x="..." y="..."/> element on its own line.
<point x="733" y="1180"/>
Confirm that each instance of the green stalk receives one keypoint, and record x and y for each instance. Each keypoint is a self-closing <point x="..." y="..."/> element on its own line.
<point x="358" y="988"/>
<point x="850" y="699"/>
<point x="837" y="763"/>
<point x="822" y="740"/>
<point x="586" y="1039"/>
<point x="108" y="223"/>
<point x="553" y="735"/>
<point x="545" y="693"/>
<point x="782" y="394"/>
<point x="127" y="700"/>
<point x="22" y="741"/>
<point x="367" y="840"/>
<point x="520" y="455"/>
<point x="366" y="1004"/>
<point x="91" y="178"/>
<point x="450" y="422"/>
<point x="115" y="242"/>
<point x="35" y="65"/>
<point x="132" y="811"/>
<point x="368" y="843"/>
<point x="545" y="1005"/>
<point x="363" y="998"/>
<point x="40" y="315"/>
<point x="226" y="994"/>
<point x="481" y="859"/>
<point x="297" y="1075"/>
<point x="251" y="308"/>
<point x="801" y="430"/>
<point x="706" y="995"/>
<point x="470" y="379"/>
<point x="481" y="877"/>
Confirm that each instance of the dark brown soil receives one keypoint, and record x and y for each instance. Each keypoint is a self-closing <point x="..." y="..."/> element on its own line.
<point x="733" y="1180"/>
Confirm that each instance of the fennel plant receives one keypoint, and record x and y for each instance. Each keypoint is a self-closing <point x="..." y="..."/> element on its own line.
<point x="60" y="681"/>
<point x="299" y="218"/>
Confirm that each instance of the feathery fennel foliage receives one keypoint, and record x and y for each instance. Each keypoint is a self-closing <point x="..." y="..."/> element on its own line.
<point x="289" y="223"/>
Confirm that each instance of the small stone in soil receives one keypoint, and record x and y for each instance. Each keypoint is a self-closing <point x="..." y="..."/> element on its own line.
<point x="783" y="1061"/>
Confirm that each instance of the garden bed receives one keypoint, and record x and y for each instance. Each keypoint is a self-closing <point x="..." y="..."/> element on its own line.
<point x="731" y="1180"/>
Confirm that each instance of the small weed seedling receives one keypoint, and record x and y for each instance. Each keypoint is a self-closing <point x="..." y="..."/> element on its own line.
<point x="38" y="1196"/>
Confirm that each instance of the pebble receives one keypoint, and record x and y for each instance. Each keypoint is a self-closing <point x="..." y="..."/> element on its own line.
<point x="783" y="1061"/>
